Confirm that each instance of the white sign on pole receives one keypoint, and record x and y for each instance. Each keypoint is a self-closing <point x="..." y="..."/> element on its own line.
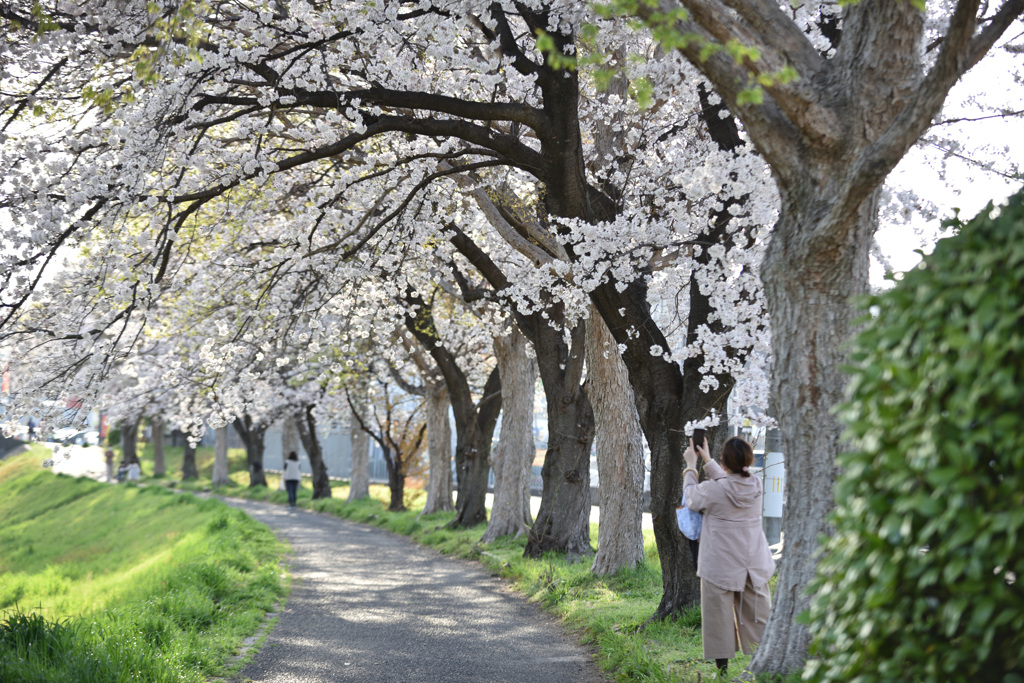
<point x="774" y="483"/>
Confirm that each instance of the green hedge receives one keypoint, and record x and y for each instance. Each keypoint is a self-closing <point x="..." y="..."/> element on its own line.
<point x="922" y="580"/>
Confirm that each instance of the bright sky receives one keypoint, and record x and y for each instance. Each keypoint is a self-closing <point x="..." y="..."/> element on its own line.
<point x="965" y="186"/>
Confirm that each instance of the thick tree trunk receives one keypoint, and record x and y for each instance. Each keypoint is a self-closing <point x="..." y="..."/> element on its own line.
<point x="220" y="458"/>
<point x="439" y="447"/>
<point x="130" y="439"/>
<point x="620" y="453"/>
<point x="359" y="478"/>
<point x="396" y="481"/>
<point x="159" y="466"/>
<point x="474" y="420"/>
<point x="252" y="434"/>
<point x="512" y="458"/>
<point x="188" y="463"/>
<point x="306" y="425"/>
<point x="667" y="397"/>
<point x="811" y="293"/>
<point x="474" y="442"/>
<point x="563" y="520"/>
<point x="254" y="451"/>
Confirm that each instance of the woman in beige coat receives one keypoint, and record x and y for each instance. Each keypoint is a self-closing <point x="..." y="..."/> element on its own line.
<point x="734" y="563"/>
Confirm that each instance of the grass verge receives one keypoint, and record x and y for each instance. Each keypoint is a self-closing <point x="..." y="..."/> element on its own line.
<point x="120" y="583"/>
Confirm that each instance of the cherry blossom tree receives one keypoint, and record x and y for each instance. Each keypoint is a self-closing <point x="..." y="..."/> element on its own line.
<point x="292" y="107"/>
<point x="395" y="422"/>
<point x="869" y="79"/>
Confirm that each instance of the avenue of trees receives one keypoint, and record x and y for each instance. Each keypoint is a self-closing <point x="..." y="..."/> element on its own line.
<point x="374" y="214"/>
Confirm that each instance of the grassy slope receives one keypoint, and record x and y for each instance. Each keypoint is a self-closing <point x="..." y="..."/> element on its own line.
<point x="153" y="585"/>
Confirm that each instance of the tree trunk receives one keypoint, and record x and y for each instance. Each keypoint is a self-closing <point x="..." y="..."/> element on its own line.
<point x="811" y="295"/>
<point x="396" y="480"/>
<point x="252" y="434"/>
<point x="159" y="466"/>
<point x="620" y="453"/>
<point x="563" y="520"/>
<point x="359" y="484"/>
<point x="667" y="397"/>
<point x="475" y="470"/>
<point x="130" y="439"/>
<point x="188" y="463"/>
<point x="474" y="420"/>
<point x="306" y="425"/>
<point x="512" y="458"/>
<point x="439" y="446"/>
<point x="220" y="458"/>
<point x="289" y="444"/>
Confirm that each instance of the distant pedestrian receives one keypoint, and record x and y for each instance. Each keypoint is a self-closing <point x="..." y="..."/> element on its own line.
<point x="134" y="471"/>
<point x="109" y="457"/>
<point x="734" y="563"/>
<point x="32" y="429"/>
<point x="292" y="476"/>
<point x="122" y="471"/>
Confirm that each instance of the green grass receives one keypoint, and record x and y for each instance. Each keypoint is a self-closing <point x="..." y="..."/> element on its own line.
<point x="118" y="583"/>
<point x="609" y="613"/>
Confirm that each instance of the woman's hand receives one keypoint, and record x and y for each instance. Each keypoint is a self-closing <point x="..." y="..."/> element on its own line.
<point x="690" y="456"/>
<point x="702" y="448"/>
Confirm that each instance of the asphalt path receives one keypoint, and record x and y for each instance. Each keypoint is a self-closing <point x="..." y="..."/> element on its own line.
<point x="368" y="605"/>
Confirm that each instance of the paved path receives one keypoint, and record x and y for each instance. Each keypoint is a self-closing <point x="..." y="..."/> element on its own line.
<point x="368" y="605"/>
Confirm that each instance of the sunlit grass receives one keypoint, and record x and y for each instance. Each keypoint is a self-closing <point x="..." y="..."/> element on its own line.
<point x="111" y="583"/>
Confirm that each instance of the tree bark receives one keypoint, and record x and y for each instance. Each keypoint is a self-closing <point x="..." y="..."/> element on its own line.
<point x="306" y="426"/>
<point x="359" y="478"/>
<point x="474" y="420"/>
<point x="811" y="298"/>
<point x="512" y="458"/>
<point x="439" y="447"/>
<point x="563" y="520"/>
<point x="473" y="441"/>
<point x="159" y="466"/>
<point x="188" y="463"/>
<point x="667" y="398"/>
<point x="252" y="434"/>
<point x="831" y="138"/>
<point x="220" y="458"/>
<point x="130" y="439"/>
<point x="396" y="480"/>
<point x="620" y="453"/>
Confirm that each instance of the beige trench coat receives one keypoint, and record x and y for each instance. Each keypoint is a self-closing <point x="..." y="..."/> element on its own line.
<point x="734" y="561"/>
<point x="732" y="542"/>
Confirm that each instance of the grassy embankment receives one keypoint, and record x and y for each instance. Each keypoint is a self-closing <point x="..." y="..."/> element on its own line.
<point x="608" y="612"/>
<point x="116" y="583"/>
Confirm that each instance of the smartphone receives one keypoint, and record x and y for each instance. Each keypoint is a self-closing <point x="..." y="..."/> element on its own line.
<point x="698" y="437"/>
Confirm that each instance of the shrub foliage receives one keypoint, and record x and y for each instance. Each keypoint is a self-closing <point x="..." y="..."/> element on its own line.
<point x="923" y="579"/>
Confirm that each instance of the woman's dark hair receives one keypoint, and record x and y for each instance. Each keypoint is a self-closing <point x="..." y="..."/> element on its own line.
<point x="737" y="455"/>
<point x="293" y="456"/>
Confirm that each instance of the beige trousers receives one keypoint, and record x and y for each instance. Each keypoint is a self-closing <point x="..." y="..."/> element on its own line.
<point x="731" y="620"/>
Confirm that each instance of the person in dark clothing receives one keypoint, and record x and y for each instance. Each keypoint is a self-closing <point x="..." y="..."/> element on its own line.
<point x="292" y="476"/>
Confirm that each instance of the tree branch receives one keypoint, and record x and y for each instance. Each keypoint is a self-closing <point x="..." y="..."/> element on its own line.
<point x="956" y="56"/>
